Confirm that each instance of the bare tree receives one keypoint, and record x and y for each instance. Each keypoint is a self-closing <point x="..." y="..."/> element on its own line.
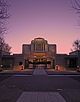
<point x="4" y="47"/>
<point x="76" y="5"/>
<point x="3" y="17"/>
<point x="76" y="45"/>
<point x="3" y="9"/>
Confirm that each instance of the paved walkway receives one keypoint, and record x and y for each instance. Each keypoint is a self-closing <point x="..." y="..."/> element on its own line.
<point x="39" y="87"/>
<point x="39" y="71"/>
<point x="40" y="97"/>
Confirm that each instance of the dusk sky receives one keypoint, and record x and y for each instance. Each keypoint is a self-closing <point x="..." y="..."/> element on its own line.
<point x="53" y="20"/>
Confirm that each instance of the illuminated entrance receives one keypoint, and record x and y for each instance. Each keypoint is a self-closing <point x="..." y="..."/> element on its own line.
<point x="37" y="64"/>
<point x="40" y="60"/>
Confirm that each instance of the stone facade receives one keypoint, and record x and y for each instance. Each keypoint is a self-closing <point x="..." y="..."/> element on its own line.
<point x="39" y="51"/>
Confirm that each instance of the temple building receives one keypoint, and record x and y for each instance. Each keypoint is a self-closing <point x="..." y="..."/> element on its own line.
<point x="40" y="53"/>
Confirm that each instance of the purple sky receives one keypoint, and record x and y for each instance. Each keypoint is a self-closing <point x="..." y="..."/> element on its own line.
<point x="53" y="20"/>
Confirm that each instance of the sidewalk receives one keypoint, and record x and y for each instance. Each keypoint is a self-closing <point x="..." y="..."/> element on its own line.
<point x="39" y="71"/>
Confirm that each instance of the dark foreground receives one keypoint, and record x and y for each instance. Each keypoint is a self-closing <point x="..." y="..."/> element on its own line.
<point x="19" y="86"/>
